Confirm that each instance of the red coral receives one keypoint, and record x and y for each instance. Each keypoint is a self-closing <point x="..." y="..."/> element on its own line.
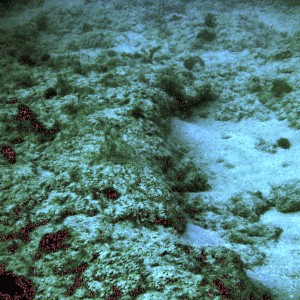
<point x="116" y="293"/>
<point x="221" y="287"/>
<point x="38" y="126"/>
<point x="25" y="113"/>
<point x="24" y="232"/>
<point x="52" y="242"/>
<point x="164" y="222"/>
<point x="9" y="154"/>
<point x="18" y="140"/>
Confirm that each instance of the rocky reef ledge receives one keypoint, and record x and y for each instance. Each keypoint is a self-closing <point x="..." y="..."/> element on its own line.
<point x="97" y="210"/>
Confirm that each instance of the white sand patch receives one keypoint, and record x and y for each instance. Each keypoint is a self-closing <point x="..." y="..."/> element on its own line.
<point x="226" y="152"/>
<point x="199" y="236"/>
<point x="282" y="270"/>
<point x="281" y="21"/>
<point x="129" y="42"/>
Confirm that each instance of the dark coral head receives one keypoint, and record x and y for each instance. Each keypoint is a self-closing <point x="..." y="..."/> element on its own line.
<point x="26" y="60"/>
<point x="283" y="143"/>
<point x="137" y="113"/>
<point x="111" y="193"/>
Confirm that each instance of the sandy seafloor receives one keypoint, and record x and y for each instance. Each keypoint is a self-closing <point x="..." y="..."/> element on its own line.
<point x="230" y="137"/>
<point x="215" y="145"/>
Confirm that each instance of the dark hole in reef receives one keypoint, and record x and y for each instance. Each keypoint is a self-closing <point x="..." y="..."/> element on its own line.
<point x="9" y="286"/>
<point x="15" y="287"/>
<point x="50" y="93"/>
